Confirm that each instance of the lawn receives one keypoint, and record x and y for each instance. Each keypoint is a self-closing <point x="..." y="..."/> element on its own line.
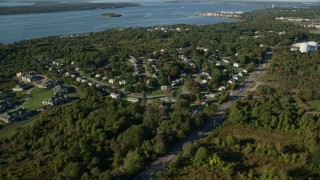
<point x="315" y="104"/>
<point x="37" y="96"/>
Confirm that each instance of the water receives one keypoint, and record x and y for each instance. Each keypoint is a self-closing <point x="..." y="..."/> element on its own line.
<point x="26" y="26"/>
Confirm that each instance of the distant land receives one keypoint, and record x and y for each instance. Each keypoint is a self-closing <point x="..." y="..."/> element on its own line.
<point x="58" y="7"/>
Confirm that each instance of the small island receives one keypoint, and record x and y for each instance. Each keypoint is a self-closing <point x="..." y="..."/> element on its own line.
<point x="111" y="15"/>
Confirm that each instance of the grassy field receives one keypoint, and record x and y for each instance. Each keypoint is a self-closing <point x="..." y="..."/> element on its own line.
<point x="315" y="104"/>
<point x="37" y="96"/>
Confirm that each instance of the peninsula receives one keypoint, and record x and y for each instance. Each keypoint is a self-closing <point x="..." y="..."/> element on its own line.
<point x="58" y="7"/>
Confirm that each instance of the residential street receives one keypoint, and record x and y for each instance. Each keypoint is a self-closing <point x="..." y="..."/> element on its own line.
<point x="212" y="123"/>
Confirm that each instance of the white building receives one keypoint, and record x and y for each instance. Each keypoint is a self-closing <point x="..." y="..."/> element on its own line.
<point x="236" y="65"/>
<point x="122" y="82"/>
<point x="115" y="96"/>
<point x="111" y="81"/>
<point x="211" y="96"/>
<point x="133" y="99"/>
<point x="310" y="46"/>
<point x="304" y="47"/>
<point x="221" y="88"/>
<point x="165" y="88"/>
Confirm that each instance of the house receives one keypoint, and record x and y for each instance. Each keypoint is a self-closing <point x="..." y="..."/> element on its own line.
<point x="204" y="81"/>
<point x="133" y="99"/>
<point x="236" y="65"/>
<point x="226" y="61"/>
<point x="84" y="80"/>
<point x="98" y="75"/>
<point x="173" y="83"/>
<point x="67" y="74"/>
<point x="79" y="79"/>
<point x="240" y="74"/>
<point x="169" y="99"/>
<point x="14" y="115"/>
<point x="20" y="87"/>
<point x="48" y="84"/>
<point x="29" y="78"/>
<point x="231" y="81"/>
<point x="115" y="96"/>
<point x="55" y="100"/>
<point x="5" y="104"/>
<point x="77" y="68"/>
<point x="221" y="88"/>
<point x="235" y="77"/>
<point x="111" y="81"/>
<point x="90" y="83"/>
<point x="165" y="88"/>
<point x="151" y="60"/>
<point x="59" y="89"/>
<point x="245" y="71"/>
<point x="19" y="74"/>
<point x="122" y="82"/>
<point x="211" y="96"/>
<point x="98" y="85"/>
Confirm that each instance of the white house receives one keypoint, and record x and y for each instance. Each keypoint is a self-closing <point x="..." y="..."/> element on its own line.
<point x="83" y="81"/>
<point x="67" y="74"/>
<point x="226" y="61"/>
<point x="204" y="81"/>
<point x="115" y="96"/>
<point x="133" y="99"/>
<point x="169" y="99"/>
<point x="210" y="96"/>
<point x="79" y="79"/>
<point x="221" y="88"/>
<point x="111" y="81"/>
<point x="165" y="88"/>
<point x="231" y="81"/>
<point x="122" y="82"/>
<point x="236" y="65"/>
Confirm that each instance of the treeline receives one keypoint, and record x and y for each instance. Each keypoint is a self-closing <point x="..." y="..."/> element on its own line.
<point x="303" y="12"/>
<point x="58" y="7"/>
<point x="265" y="138"/>
<point x="96" y="137"/>
<point x="296" y="72"/>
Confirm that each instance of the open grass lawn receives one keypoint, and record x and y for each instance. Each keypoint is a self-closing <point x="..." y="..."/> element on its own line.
<point x="315" y="104"/>
<point x="37" y="96"/>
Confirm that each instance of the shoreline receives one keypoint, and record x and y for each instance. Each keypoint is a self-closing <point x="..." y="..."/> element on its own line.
<point x="58" y="7"/>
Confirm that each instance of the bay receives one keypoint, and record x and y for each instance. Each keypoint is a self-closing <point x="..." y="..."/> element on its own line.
<point x="27" y="26"/>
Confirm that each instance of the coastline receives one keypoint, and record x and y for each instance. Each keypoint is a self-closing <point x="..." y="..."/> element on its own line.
<point x="58" y="7"/>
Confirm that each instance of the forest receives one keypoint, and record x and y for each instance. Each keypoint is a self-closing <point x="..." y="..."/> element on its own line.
<point x="266" y="135"/>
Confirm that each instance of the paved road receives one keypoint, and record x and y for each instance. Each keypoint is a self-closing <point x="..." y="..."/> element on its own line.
<point x="161" y="163"/>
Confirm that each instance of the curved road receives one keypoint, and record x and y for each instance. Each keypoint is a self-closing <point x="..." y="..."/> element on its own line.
<point x="210" y="124"/>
